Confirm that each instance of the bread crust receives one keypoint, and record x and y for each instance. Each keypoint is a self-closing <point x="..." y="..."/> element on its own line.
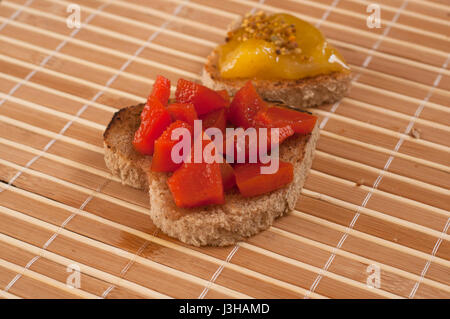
<point x="215" y="225"/>
<point x="302" y="93"/>
<point x="120" y="156"/>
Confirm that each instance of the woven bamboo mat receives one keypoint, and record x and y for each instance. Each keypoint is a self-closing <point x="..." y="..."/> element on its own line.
<point x="375" y="206"/>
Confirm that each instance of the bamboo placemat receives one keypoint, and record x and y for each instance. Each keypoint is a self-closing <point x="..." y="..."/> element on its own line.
<point x="375" y="205"/>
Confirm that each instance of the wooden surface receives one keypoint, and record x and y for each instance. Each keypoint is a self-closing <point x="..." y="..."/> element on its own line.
<point x="59" y="206"/>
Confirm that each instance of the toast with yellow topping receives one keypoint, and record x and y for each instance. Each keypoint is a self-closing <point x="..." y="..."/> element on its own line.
<point x="287" y="59"/>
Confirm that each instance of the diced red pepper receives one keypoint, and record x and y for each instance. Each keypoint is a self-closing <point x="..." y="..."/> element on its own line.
<point x="204" y="99"/>
<point x="162" y="158"/>
<point x="228" y="179"/>
<point x="275" y="116"/>
<point x="197" y="184"/>
<point x="157" y="119"/>
<point x="161" y="90"/>
<point x="245" y="105"/>
<point x="224" y="94"/>
<point x="283" y="133"/>
<point x="238" y="146"/>
<point x="183" y="112"/>
<point x="208" y="149"/>
<point x="251" y="182"/>
<point x="215" y="119"/>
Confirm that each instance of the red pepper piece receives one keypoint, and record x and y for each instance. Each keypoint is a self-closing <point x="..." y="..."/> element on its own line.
<point x="224" y="94"/>
<point x="246" y="146"/>
<point x="157" y="119"/>
<point x="251" y="182"/>
<point x="204" y="99"/>
<point x="162" y="157"/>
<point x="161" y="90"/>
<point x="183" y="112"/>
<point x="197" y="184"/>
<point x="215" y="119"/>
<point x="245" y="105"/>
<point x="228" y="179"/>
<point x="301" y="122"/>
<point x="283" y="133"/>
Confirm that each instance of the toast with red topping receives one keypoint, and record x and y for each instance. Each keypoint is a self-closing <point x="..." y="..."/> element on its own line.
<point x="242" y="211"/>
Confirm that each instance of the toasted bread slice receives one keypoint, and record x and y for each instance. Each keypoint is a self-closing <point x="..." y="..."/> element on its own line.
<point x="303" y="93"/>
<point x="216" y="225"/>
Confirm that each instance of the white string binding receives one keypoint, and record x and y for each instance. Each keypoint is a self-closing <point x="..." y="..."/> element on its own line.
<point x="327" y="13"/>
<point x="218" y="272"/>
<point x="429" y="261"/>
<point x="128" y="266"/>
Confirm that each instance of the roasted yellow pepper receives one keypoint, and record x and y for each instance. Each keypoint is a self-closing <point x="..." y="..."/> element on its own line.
<point x="278" y="46"/>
